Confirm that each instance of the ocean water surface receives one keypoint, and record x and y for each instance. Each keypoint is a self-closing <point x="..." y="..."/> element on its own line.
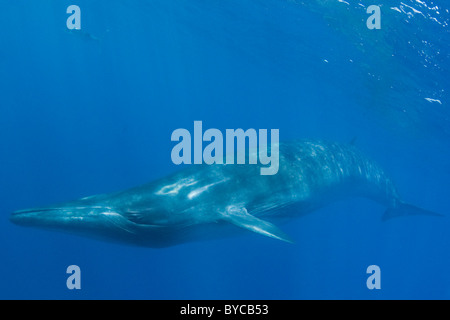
<point x="91" y="111"/>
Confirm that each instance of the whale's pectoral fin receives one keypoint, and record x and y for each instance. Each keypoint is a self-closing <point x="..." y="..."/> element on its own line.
<point x="241" y="218"/>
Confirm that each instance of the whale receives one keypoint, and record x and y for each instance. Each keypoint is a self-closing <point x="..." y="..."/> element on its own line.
<point x="203" y="202"/>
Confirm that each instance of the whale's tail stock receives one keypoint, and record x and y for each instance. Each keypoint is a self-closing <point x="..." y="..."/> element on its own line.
<point x="400" y="209"/>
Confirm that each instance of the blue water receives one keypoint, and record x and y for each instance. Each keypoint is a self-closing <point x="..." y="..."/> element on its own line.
<point x="91" y="111"/>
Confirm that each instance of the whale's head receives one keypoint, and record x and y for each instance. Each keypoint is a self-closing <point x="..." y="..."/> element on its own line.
<point x="101" y="222"/>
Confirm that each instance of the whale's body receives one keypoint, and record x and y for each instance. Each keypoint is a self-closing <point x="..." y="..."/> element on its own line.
<point x="205" y="201"/>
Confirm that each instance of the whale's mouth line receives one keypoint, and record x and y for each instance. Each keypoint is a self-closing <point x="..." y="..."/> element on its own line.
<point x="68" y="208"/>
<point x="76" y="213"/>
<point x="63" y="213"/>
<point x="20" y="216"/>
<point x="19" y="212"/>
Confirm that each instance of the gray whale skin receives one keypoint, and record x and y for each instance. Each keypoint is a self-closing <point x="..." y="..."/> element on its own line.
<point x="207" y="201"/>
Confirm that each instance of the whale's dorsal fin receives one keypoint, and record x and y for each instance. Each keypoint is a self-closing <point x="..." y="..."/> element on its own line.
<point x="241" y="218"/>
